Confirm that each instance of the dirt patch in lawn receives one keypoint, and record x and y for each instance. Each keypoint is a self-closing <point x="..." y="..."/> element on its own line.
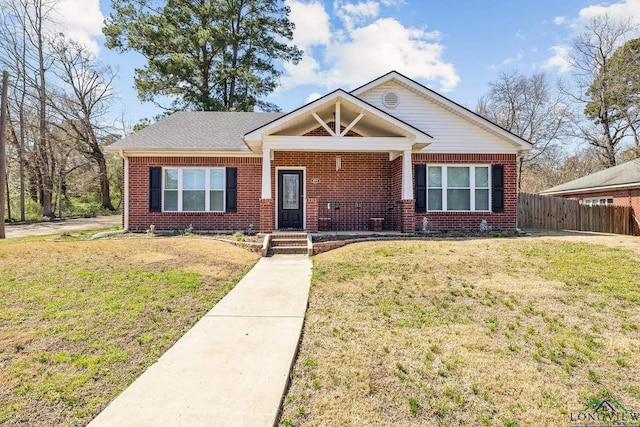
<point x="468" y="332"/>
<point x="80" y="320"/>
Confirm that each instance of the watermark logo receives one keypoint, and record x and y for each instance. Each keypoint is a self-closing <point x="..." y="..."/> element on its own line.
<point x="605" y="413"/>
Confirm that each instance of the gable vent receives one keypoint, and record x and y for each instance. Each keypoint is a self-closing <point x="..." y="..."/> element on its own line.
<point x="390" y="99"/>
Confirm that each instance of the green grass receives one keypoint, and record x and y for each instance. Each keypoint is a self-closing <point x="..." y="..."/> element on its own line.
<point x="492" y="332"/>
<point x="80" y="320"/>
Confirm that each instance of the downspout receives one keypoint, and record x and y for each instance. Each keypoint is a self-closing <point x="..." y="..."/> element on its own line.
<point x="125" y="190"/>
<point x="519" y="159"/>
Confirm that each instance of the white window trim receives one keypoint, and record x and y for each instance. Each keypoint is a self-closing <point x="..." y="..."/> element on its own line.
<point x="595" y="201"/>
<point x="472" y="185"/>
<point x="207" y="188"/>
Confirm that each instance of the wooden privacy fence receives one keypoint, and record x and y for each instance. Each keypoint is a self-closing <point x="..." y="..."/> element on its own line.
<point x="557" y="213"/>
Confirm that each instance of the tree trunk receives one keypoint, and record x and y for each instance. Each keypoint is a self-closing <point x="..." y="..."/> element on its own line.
<point x="104" y="180"/>
<point x="47" y="181"/>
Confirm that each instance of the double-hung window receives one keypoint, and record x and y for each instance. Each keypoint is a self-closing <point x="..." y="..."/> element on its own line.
<point x="194" y="189"/>
<point x="458" y="188"/>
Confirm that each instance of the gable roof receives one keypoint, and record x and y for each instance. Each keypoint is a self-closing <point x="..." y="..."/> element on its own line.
<point x="445" y="103"/>
<point x="376" y="119"/>
<point x="196" y="130"/>
<point x="622" y="176"/>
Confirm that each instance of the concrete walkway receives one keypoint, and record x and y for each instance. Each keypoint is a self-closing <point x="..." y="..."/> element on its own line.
<point x="232" y="367"/>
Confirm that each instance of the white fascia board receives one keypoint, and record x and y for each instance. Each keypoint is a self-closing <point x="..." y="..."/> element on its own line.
<point x="630" y="185"/>
<point x="446" y="103"/>
<point x="324" y="143"/>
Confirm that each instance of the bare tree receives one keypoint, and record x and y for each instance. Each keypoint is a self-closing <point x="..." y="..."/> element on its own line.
<point x="23" y="45"/>
<point x="81" y="104"/>
<point x="13" y="44"/>
<point x="530" y="107"/>
<point x="592" y="63"/>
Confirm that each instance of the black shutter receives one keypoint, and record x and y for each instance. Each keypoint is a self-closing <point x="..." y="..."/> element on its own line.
<point x="231" y="192"/>
<point x="155" y="189"/>
<point x="420" y="179"/>
<point x="497" y="188"/>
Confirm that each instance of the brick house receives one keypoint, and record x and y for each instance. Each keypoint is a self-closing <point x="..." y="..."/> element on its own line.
<point x="390" y="155"/>
<point x="618" y="185"/>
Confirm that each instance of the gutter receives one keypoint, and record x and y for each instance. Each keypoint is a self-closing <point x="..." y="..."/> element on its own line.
<point x="629" y="185"/>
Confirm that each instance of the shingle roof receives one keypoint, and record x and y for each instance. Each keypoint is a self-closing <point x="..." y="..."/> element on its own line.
<point x="626" y="174"/>
<point x="185" y="130"/>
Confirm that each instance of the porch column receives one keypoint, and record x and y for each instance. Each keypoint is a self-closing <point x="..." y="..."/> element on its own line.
<point x="408" y="203"/>
<point x="266" y="174"/>
<point x="407" y="176"/>
<point x="267" y="214"/>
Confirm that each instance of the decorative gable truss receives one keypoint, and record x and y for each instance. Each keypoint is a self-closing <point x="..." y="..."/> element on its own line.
<point x="341" y="116"/>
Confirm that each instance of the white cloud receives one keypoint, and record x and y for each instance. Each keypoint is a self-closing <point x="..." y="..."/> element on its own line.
<point x="620" y="10"/>
<point x="518" y="57"/>
<point x="396" y="3"/>
<point x="353" y="14"/>
<point x="362" y="10"/>
<point x="80" y="20"/>
<point x="363" y="51"/>
<point x="312" y="97"/>
<point x="559" y="20"/>
<point x="386" y="44"/>
<point x="312" y="23"/>
<point x="560" y="58"/>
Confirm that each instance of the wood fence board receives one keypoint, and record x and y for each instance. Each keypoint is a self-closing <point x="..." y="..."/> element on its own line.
<point x="558" y="213"/>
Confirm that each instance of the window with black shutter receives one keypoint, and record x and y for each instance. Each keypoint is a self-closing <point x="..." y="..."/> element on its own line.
<point x="155" y="189"/>
<point x="232" y="190"/>
<point x="497" y="188"/>
<point x="420" y="179"/>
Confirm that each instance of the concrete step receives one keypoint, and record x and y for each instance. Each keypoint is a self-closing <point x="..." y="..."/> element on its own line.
<point x="287" y="250"/>
<point x="288" y="241"/>
<point x="283" y="235"/>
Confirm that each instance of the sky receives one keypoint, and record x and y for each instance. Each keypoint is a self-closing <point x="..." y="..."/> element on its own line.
<point x="455" y="47"/>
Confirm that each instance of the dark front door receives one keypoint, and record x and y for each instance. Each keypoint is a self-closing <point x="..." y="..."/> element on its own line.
<point x="290" y="203"/>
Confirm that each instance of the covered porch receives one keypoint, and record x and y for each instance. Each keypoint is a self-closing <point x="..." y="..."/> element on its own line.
<point x="337" y="164"/>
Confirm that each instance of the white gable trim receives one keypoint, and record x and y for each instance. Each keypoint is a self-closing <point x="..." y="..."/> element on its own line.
<point x="256" y="138"/>
<point x="446" y="103"/>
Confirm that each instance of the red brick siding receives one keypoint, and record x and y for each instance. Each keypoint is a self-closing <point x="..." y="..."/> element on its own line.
<point x="249" y="189"/>
<point x="363" y="177"/>
<point x="471" y="220"/>
<point x="628" y="197"/>
<point x="396" y="179"/>
<point x="267" y="216"/>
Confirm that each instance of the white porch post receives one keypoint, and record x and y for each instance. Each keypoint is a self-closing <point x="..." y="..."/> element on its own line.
<point x="266" y="173"/>
<point x="407" y="176"/>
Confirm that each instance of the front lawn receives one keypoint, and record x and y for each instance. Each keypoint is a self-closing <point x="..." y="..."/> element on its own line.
<point x="495" y="332"/>
<point x="80" y="320"/>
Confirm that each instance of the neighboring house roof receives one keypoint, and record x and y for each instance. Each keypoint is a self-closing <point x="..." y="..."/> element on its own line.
<point x="446" y="103"/>
<point x="622" y="176"/>
<point x="196" y="130"/>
